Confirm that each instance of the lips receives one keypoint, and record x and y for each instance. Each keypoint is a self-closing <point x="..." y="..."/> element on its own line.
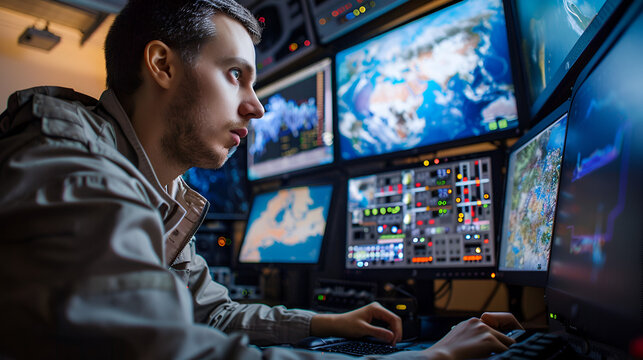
<point x="242" y="132"/>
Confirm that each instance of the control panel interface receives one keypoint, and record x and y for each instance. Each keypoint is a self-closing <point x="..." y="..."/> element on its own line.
<point x="436" y="216"/>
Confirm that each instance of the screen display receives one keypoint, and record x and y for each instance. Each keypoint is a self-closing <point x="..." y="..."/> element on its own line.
<point x="296" y="131"/>
<point x="225" y="188"/>
<point x="441" y="78"/>
<point x="596" y="254"/>
<point x="287" y="226"/>
<point x="533" y="176"/>
<point x="549" y="29"/>
<point x="435" y="216"/>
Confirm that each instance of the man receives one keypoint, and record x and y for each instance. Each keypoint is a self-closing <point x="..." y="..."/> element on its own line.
<point x="97" y="223"/>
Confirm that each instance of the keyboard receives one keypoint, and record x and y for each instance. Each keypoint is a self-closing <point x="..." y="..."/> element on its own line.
<point x="539" y="346"/>
<point x="349" y="347"/>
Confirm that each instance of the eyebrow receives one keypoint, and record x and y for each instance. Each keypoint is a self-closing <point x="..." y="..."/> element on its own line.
<point x="242" y="63"/>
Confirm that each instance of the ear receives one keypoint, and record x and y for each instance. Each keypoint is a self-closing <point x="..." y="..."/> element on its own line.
<point x="160" y="63"/>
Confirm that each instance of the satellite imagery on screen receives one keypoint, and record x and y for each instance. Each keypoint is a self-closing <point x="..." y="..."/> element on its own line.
<point x="444" y="77"/>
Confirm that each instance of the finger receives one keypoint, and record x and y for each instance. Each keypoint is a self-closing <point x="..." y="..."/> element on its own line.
<point x="501" y="321"/>
<point x="504" y="339"/>
<point x="380" y="333"/>
<point x="394" y="322"/>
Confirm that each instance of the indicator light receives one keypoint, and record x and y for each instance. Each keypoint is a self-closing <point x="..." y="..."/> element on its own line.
<point x="400" y="306"/>
<point x="426" y="163"/>
<point x="459" y="176"/>
<point x="356" y="12"/>
<point x="448" y="171"/>
<point x="293" y="47"/>
<point x="307" y="42"/>
<point x="322" y="21"/>
<point x="436" y="161"/>
<point x="458" y="199"/>
<point x="221" y="241"/>
<point x="262" y="19"/>
<point x="493" y="275"/>
<point x="478" y="250"/>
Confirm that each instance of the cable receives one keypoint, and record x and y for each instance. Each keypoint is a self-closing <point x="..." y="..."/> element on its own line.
<point x="490" y="297"/>
<point x="444" y="287"/>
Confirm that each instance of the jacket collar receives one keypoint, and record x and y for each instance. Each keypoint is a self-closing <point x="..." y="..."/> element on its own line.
<point x="183" y="208"/>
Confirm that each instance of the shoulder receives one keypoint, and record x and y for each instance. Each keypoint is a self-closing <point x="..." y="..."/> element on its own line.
<point x="57" y="113"/>
<point x="54" y="136"/>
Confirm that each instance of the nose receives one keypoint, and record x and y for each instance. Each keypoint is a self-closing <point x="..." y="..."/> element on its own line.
<point x="251" y="108"/>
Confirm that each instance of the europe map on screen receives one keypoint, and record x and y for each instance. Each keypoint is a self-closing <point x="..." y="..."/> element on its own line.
<point x="444" y="77"/>
<point x="287" y="226"/>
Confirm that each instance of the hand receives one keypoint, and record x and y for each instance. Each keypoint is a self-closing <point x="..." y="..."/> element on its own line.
<point x="476" y="338"/>
<point x="357" y="323"/>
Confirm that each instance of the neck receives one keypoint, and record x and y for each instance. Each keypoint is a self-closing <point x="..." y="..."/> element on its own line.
<point x="146" y="115"/>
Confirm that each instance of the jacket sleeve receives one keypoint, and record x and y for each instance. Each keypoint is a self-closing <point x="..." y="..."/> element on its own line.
<point x="263" y="324"/>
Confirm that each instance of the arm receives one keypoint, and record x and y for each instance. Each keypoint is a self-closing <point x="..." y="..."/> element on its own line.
<point x="82" y="272"/>
<point x="263" y="324"/>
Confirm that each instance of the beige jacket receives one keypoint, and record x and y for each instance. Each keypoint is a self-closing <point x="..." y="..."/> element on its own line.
<point x="98" y="259"/>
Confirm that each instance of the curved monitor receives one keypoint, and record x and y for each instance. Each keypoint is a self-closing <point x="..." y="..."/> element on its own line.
<point x="438" y="218"/>
<point x="595" y="283"/>
<point x="296" y="131"/>
<point x="533" y="174"/>
<point x="287" y="226"/>
<point x="439" y="79"/>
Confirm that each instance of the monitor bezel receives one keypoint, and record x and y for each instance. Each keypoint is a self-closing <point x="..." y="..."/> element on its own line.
<point x="518" y="84"/>
<point x="527" y="277"/>
<point x="308" y="69"/>
<point x="324" y="241"/>
<point x="561" y="84"/>
<point x="481" y="272"/>
<point x="605" y="327"/>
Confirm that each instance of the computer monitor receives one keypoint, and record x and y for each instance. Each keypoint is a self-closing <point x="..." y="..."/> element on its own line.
<point x="296" y="131"/>
<point x="533" y="174"/>
<point x="287" y="226"/>
<point x="595" y="284"/>
<point x="225" y="188"/>
<point x="287" y="34"/>
<point x="334" y="18"/>
<point x="437" y="217"/>
<point x="554" y="39"/>
<point x="443" y="78"/>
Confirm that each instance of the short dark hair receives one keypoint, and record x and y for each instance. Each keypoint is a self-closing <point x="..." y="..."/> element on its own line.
<point x="183" y="25"/>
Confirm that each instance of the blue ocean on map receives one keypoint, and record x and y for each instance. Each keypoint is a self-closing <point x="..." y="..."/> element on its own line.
<point x="444" y="77"/>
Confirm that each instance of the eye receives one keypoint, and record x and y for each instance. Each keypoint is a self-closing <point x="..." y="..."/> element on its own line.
<point x="236" y="73"/>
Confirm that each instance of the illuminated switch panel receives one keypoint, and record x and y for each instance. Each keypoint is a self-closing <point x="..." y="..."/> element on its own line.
<point x="436" y="216"/>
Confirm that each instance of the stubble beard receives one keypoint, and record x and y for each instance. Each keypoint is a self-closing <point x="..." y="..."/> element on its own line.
<point x="182" y="141"/>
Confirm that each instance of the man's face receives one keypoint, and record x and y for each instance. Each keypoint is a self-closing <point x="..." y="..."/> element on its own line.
<point x="215" y="100"/>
